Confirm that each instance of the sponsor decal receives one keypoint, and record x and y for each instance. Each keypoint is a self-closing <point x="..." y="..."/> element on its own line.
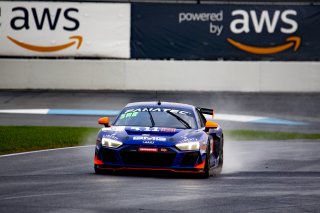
<point x="245" y="22"/>
<point x="167" y="129"/>
<point x="128" y="115"/>
<point x="146" y="138"/>
<point x="293" y="41"/>
<point x="118" y="128"/>
<point x="176" y="111"/>
<point x="153" y="129"/>
<point x="114" y="128"/>
<point x="212" y="18"/>
<point x="145" y="129"/>
<point x="186" y="139"/>
<point x="224" y="31"/>
<point x="26" y="18"/>
<point x="111" y="137"/>
<point x="148" y="142"/>
<point x="148" y="149"/>
<point x="163" y="150"/>
<point x="36" y="48"/>
<point x="143" y="149"/>
<point x="64" y="29"/>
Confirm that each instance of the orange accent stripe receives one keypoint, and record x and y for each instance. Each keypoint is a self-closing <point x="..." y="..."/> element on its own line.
<point x="291" y="41"/>
<point x="47" y="48"/>
<point x="201" y="165"/>
<point x="97" y="161"/>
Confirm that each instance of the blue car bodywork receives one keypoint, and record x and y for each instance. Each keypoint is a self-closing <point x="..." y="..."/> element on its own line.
<point x="164" y="136"/>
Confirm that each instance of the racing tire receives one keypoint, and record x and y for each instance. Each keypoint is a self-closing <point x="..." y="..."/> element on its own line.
<point x="207" y="171"/>
<point x="218" y="169"/>
<point x="97" y="170"/>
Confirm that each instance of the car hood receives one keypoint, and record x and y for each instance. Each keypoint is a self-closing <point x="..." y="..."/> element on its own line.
<point x="152" y="135"/>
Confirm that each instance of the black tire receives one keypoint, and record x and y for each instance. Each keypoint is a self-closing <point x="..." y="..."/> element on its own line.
<point x="216" y="147"/>
<point x="97" y="170"/>
<point x="218" y="169"/>
<point x="207" y="170"/>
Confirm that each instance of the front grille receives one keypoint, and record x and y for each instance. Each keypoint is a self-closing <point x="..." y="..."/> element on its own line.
<point x="190" y="159"/>
<point x="108" y="156"/>
<point x="131" y="156"/>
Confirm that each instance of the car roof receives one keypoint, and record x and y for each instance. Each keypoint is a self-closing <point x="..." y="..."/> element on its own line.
<point x="163" y="104"/>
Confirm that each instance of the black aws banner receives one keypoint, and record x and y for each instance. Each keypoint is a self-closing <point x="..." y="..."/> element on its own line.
<point x="228" y="32"/>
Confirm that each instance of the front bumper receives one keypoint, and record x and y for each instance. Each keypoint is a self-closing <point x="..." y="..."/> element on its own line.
<point x="129" y="157"/>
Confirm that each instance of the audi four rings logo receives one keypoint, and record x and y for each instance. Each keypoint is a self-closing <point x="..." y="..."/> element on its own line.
<point x="148" y="142"/>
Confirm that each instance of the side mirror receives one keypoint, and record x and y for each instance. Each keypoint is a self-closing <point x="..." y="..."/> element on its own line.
<point x="211" y="125"/>
<point x="104" y="121"/>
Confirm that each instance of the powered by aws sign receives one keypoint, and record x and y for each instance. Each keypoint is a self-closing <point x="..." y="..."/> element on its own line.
<point x="64" y="29"/>
<point x="248" y="22"/>
<point x="240" y="32"/>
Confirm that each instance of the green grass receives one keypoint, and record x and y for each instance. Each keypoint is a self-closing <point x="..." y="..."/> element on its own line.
<point x="28" y="138"/>
<point x="264" y="135"/>
<point x="15" y="139"/>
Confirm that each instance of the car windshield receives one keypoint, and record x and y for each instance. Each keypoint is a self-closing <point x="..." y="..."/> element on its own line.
<point x="157" y="116"/>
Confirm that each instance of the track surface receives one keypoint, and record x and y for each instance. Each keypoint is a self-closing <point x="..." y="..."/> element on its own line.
<point x="269" y="176"/>
<point x="258" y="177"/>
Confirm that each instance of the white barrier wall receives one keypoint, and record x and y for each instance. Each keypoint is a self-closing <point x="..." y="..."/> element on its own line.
<point x="160" y="75"/>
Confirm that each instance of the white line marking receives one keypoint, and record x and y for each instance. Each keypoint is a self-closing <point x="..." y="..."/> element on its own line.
<point x="226" y="117"/>
<point x="232" y="117"/>
<point x="25" y="111"/>
<point x="45" y="150"/>
<point x="223" y="117"/>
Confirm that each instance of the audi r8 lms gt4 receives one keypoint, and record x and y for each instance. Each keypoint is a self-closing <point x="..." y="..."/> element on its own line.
<point x="160" y="136"/>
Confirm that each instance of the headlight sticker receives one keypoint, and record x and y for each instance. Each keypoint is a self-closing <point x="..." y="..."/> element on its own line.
<point x="118" y="128"/>
<point x="186" y="140"/>
<point x="111" y="137"/>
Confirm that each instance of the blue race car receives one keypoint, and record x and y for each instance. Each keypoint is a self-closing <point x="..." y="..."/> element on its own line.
<point x="160" y="136"/>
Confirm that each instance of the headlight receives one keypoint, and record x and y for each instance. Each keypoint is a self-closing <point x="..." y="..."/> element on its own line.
<point x="189" y="146"/>
<point x="107" y="142"/>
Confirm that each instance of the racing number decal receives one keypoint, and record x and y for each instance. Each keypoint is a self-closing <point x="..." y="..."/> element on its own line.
<point x="128" y="115"/>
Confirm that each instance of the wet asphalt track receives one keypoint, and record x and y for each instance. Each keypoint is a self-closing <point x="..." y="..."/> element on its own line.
<point x="257" y="176"/>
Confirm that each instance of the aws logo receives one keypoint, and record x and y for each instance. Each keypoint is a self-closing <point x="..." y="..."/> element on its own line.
<point x="283" y="21"/>
<point x="45" y="20"/>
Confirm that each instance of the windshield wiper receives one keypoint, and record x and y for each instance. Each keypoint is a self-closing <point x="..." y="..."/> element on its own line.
<point x="151" y="118"/>
<point x="180" y="119"/>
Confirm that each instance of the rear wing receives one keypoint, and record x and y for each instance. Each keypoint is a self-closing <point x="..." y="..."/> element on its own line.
<point x="206" y="111"/>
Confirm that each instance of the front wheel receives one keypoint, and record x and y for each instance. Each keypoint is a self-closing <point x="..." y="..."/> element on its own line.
<point x="218" y="169"/>
<point x="97" y="170"/>
<point x="207" y="170"/>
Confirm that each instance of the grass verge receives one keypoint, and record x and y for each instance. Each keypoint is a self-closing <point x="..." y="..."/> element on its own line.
<point x="29" y="138"/>
<point x="15" y="139"/>
<point x="264" y="135"/>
